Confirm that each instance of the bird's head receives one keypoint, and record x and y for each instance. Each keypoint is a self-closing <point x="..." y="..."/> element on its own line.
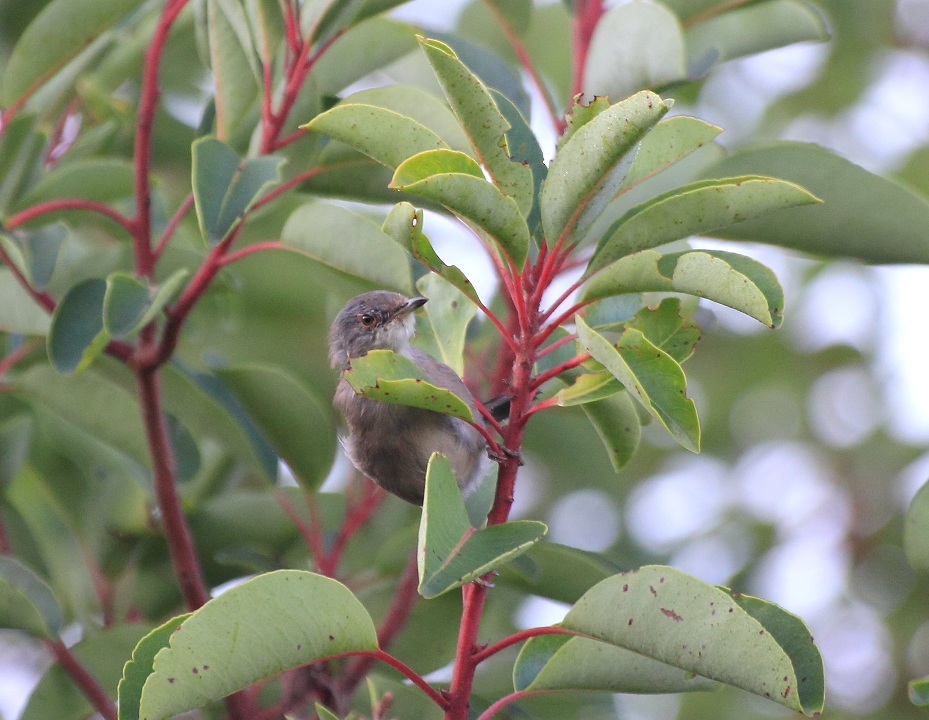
<point x="378" y="320"/>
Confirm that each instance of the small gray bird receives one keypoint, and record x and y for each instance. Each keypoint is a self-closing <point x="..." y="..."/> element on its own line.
<point x="392" y="443"/>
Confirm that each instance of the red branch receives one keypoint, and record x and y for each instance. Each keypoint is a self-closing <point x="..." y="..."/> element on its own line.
<point x="558" y="369"/>
<point x="587" y="14"/>
<point x="81" y="677"/>
<point x="511" y="698"/>
<point x="51" y="206"/>
<point x="173" y="224"/>
<point x="518" y="637"/>
<point x="176" y="531"/>
<point x="145" y="118"/>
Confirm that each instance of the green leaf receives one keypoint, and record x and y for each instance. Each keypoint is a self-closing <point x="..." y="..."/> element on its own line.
<point x="137" y="670"/>
<point x="918" y="692"/>
<point x="35" y="253"/>
<point x="102" y="653"/>
<point x="670" y="140"/>
<point x="447" y="314"/>
<point x="434" y="162"/>
<point x="560" y="662"/>
<point x="669" y="616"/>
<point x="580" y="115"/>
<point x="476" y="201"/>
<point x="325" y="713"/>
<point x="77" y="334"/>
<point x="699" y="208"/>
<point x="19" y="313"/>
<point x="100" y="179"/>
<point x="350" y="243"/>
<point x="617" y="423"/>
<point x="484" y="124"/>
<point x="634" y="46"/>
<point x="523" y="147"/>
<point x="225" y="186"/>
<point x="404" y="224"/>
<point x="727" y="278"/>
<point x="130" y="303"/>
<point x="451" y="553"/>
<point x="270" y="623"/>
<point x="234" y="62"/>
<point x="589" y="387"/>
<point x="753" y="29"/>
<point x="665" y="328"/>
<point x="390" y="377"/>
<point x="651" y="376"/>
<point x="862" y="215"/>
<point x="341" y="14"/>
<point x="26" y="602"/>
<point x="73" y="24"/>
<point x="296" y="423"/>
<point x="593" y="162"/>
<point x="381" y="134"/>
<point x="556" y="571"/>
<point x="916" y="530"/>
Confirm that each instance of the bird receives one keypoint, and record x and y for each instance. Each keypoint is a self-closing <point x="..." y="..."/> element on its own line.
<point x="392" y="443"/>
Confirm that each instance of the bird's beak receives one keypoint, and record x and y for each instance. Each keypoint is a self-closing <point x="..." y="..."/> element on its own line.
<point x="409" y="306"/>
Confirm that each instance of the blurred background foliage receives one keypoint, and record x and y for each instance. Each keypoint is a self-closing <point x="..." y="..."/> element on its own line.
<point x="814" y="436"/>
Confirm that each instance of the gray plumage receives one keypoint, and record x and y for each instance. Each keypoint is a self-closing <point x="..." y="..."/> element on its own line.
<point x="392" y="443"/>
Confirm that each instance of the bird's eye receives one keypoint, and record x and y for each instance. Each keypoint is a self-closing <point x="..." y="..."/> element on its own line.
<point x="367" y="319"/>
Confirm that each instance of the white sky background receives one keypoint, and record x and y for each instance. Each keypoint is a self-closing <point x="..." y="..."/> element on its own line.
<point x="845" y="304"/>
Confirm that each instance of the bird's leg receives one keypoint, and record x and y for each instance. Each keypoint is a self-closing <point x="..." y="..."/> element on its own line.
<point x="504" y="455"/>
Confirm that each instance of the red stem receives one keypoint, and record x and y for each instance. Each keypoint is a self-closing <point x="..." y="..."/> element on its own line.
<point x="177" y="533"/>
<point x="586" y="16"/>
<point x="173" y="224"/>
<point x="459" y="691"/>
<point x="518" y="637"/>
<point x="81" y="677"/>
<point x="409" y="673"/>
<point x="511" y="698"/>
<point x="251" y="250"/>
<point x="145" y="118"/>
<point x="528" y="65"/>
<point x="543" y="378"/>
<point x="42" y="298"/>
<point x="14" y="356"/>
<point x="50" y="206"/>
<point x="311" y="532"/>
<point x="355" y="518"/>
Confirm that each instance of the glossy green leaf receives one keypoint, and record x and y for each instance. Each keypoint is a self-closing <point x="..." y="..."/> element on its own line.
<point x="234" y="62"/>
<point x="102" y="179"/>
<point x="102" y="653"/>
<point x="561" y="662"/>
<point x="137" y="670"/>
<point x="616" y="421"/>
<point x="77" y="335"/>
<point x="296" y="423"/>
<point x="670" y="140"/>
<point x="727" y="278"/>
<point x="225" y="186"/>
<point x="36" y="253"/>
<point x="381" y="134"/>
<point x="101" y="408"/>
<point x="916" y="530"/>
<point x="390" y="377"/>
<point x="669" y="616"/>
<point x="451" y="553"/>
<point x="476" y="201"/>
<point x="130" y="303"/>
<point x="447" y="316"/>
<point x="651" y="376"/>
<point x="753" y="29"/>
<point x="485" y="125"/>
<point x="341" y="14"/>
<point x="556" y="571"/>
<point x="588" y="387"/>
<point x="350" y="243"/>
<point x="918" y="691"/>
<point x="699" y="208"/>
<point x="270" y="623"/>
<point x="73" y="24"/>
<point x="612" y="313"/>
<point x="635" y="45"/>
<point x="434" y="162"/>
<point x="26" y="601"/>
<point x="589" y="167"/>
<point x="580" y="115"/>
<point x="667" y="329"/>
<point x="523" y="147"/>
<point x="404" y="224"/>
<point x="862" y="215"/>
